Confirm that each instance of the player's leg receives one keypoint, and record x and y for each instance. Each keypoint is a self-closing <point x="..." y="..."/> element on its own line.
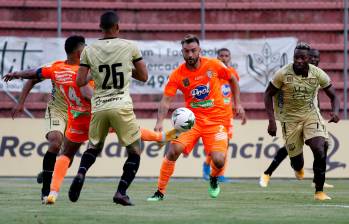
<point x="318" y="145"/>
<point x="297" y="163"/>
<point x="75" y="135"/>
<point x="156" y="136"/>
<point x="98" y="131"/>
<point x="215" y="140"/>
<point x="278" y="158"/>
<point x="124" y="122"/>
<point x="326" y="185"/>
<point x="206" y="168"/>
<point x="183" y="144"/>
<point x="61" y="167"/>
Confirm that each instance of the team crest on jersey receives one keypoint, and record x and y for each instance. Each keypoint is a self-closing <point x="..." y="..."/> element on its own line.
<point x="209" y="73"/>
<point x="186" y="82"/>
<point x="289" y="78"/>
<point x="200" y="92"/>
<point x="225" y="90"/>
<point x="313" y="81"/>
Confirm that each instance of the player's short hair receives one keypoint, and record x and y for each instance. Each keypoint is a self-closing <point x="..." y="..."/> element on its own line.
<point x="108" y="20"/>
<point x="223" y="49"/>
<point x="189" y="38"/>
<point x="72" y="43"/>
<point x="302" y="46"/>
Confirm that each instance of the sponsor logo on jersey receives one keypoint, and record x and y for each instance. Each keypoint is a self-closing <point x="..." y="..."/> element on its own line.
<point x="225" y="90"/>
<point x="200" y="92"/>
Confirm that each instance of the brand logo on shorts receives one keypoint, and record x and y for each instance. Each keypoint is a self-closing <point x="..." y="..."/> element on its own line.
<point x="225" y="90"/>
<point x="55" y="122"/>
<point x="200" y="92"/>
<point x="291" y="147"/>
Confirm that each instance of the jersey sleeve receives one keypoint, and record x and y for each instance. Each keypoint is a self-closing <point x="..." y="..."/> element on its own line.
<point x="235" y="73"/>
<point x="44" y="72"/>
<point x="324" y="79"/>
<point x="278" y="79"/>
<point x="172" y="85"/>
<point x="84" y="60"/>
<point x="136" y="53"/>
<point x="223" y="71"/>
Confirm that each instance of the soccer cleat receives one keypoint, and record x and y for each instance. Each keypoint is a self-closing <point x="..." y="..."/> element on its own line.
<point x="43" y="199"/>
<point x="75" y="187"/>
<point x="51" y="198"/>
<point x="168" y="136"/>
<point x="39" y="177"/>
<point x="321" y="196"/>
<point x="206" y="170"/>
<point x="214" y="189"/>
<point x="264" y="180"/>
<point x="158" y="196"/>
<point x="122" y="199"/>
<point x="299" y="174"/>
<point x="326" y="185"/>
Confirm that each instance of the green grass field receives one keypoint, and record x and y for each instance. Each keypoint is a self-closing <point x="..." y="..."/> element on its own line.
<point x="187" y="201"/>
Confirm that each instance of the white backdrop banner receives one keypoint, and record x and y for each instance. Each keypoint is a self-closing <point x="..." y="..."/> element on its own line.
<point x="255" y="60"/>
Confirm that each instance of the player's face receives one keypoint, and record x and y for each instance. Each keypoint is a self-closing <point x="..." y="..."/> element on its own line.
<point x="300" y="61"/>
<point x="191" y="53"/>
<point x="314" y="57"/>
<point x="224" y="56"/>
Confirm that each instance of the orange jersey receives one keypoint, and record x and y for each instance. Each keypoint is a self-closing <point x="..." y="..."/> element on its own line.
<point x="227" y="94"/>
<point x="64" y="77"/>
<point x="202" y="90"/>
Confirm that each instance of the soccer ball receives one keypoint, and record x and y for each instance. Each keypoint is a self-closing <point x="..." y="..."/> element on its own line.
<point x="183" y="119"/>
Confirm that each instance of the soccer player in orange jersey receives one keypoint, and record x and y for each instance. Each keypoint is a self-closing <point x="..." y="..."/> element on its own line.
<point x="224" y="56"/>
<point x="199" y="81"/>
<point x="56" y="110"/>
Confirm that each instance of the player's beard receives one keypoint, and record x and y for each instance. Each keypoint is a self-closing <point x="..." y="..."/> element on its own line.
<point x="191" y="61"/>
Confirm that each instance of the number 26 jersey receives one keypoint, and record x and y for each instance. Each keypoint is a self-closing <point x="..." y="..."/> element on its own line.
<point x="111" y="61"/>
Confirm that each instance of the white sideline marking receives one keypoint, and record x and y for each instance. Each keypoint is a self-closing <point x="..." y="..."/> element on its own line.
<point x="337" y="206"/>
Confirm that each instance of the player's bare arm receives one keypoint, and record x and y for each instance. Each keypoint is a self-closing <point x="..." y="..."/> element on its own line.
<point x="25" y="92"/>
<point x="235" y="89"/>
<point x="268" y="101"/>
<point x="82" y="78"/>
<point x="26" y="74"/>
<point x="140" y="72"/>
<point x="331" y="93"/>
<point x="162" y="111"/>
<point x="87" y="92"/>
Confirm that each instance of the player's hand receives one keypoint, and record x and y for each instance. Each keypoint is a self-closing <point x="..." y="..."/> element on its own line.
<point x="16" y="109"/>
<point x="334" y="118"/>
<point x="239" y="111"/>
<point x="10" y="76"/>
<point x="272" y="128"/>
<point x="158" y="126"/>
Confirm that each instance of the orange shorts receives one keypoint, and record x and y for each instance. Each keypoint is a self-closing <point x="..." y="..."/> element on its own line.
<point x="231" y="129"/>
<point x="214" y="138"/>
<point x="77" y="129"/>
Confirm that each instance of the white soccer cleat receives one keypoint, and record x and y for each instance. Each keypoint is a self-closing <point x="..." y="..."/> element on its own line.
<point x="264" y="180"/>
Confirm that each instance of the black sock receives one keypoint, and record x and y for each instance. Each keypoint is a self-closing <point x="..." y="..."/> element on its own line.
<point x="48" y="165"/>
<point x="319" y="168"/>
<point x="130" y="169"/>
<point x="279" y="157"/>
<point x="87" y="160"/>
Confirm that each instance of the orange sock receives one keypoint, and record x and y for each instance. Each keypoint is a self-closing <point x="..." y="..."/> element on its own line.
<point x="208" y="159"/>
<point x="149" y="135"/>
<point x="215" y="172"/>
<point x="166" y="171"/>
<point x="59" y="172"/>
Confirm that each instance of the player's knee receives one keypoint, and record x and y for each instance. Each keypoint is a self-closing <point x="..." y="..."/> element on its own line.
<point x="55" y="141"/>
<point x="218" y="160"/>
<point x="134" y="148"/>
<point x="174" y="152"/>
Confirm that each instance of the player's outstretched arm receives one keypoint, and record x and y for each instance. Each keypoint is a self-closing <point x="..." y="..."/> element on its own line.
<point x="331" y="93"/>
<point x="26" y="74"/>
<point x="25" y="92"/>
<point x="82" y="79"/>
<point x="268" y="102"/>
<point x="140" y="72"/>
<point x="164" y="106"/>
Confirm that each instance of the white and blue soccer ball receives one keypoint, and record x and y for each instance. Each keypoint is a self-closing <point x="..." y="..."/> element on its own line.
<point x="183" y="119"/>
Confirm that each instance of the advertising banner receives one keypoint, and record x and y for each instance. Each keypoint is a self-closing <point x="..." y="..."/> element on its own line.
<point x="256" y="60"/>
<point x="22" y="147"/>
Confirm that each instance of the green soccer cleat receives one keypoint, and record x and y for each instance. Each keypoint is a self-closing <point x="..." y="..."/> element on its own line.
<point x="158" y="196"/>
<point x="214" y="189"/>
